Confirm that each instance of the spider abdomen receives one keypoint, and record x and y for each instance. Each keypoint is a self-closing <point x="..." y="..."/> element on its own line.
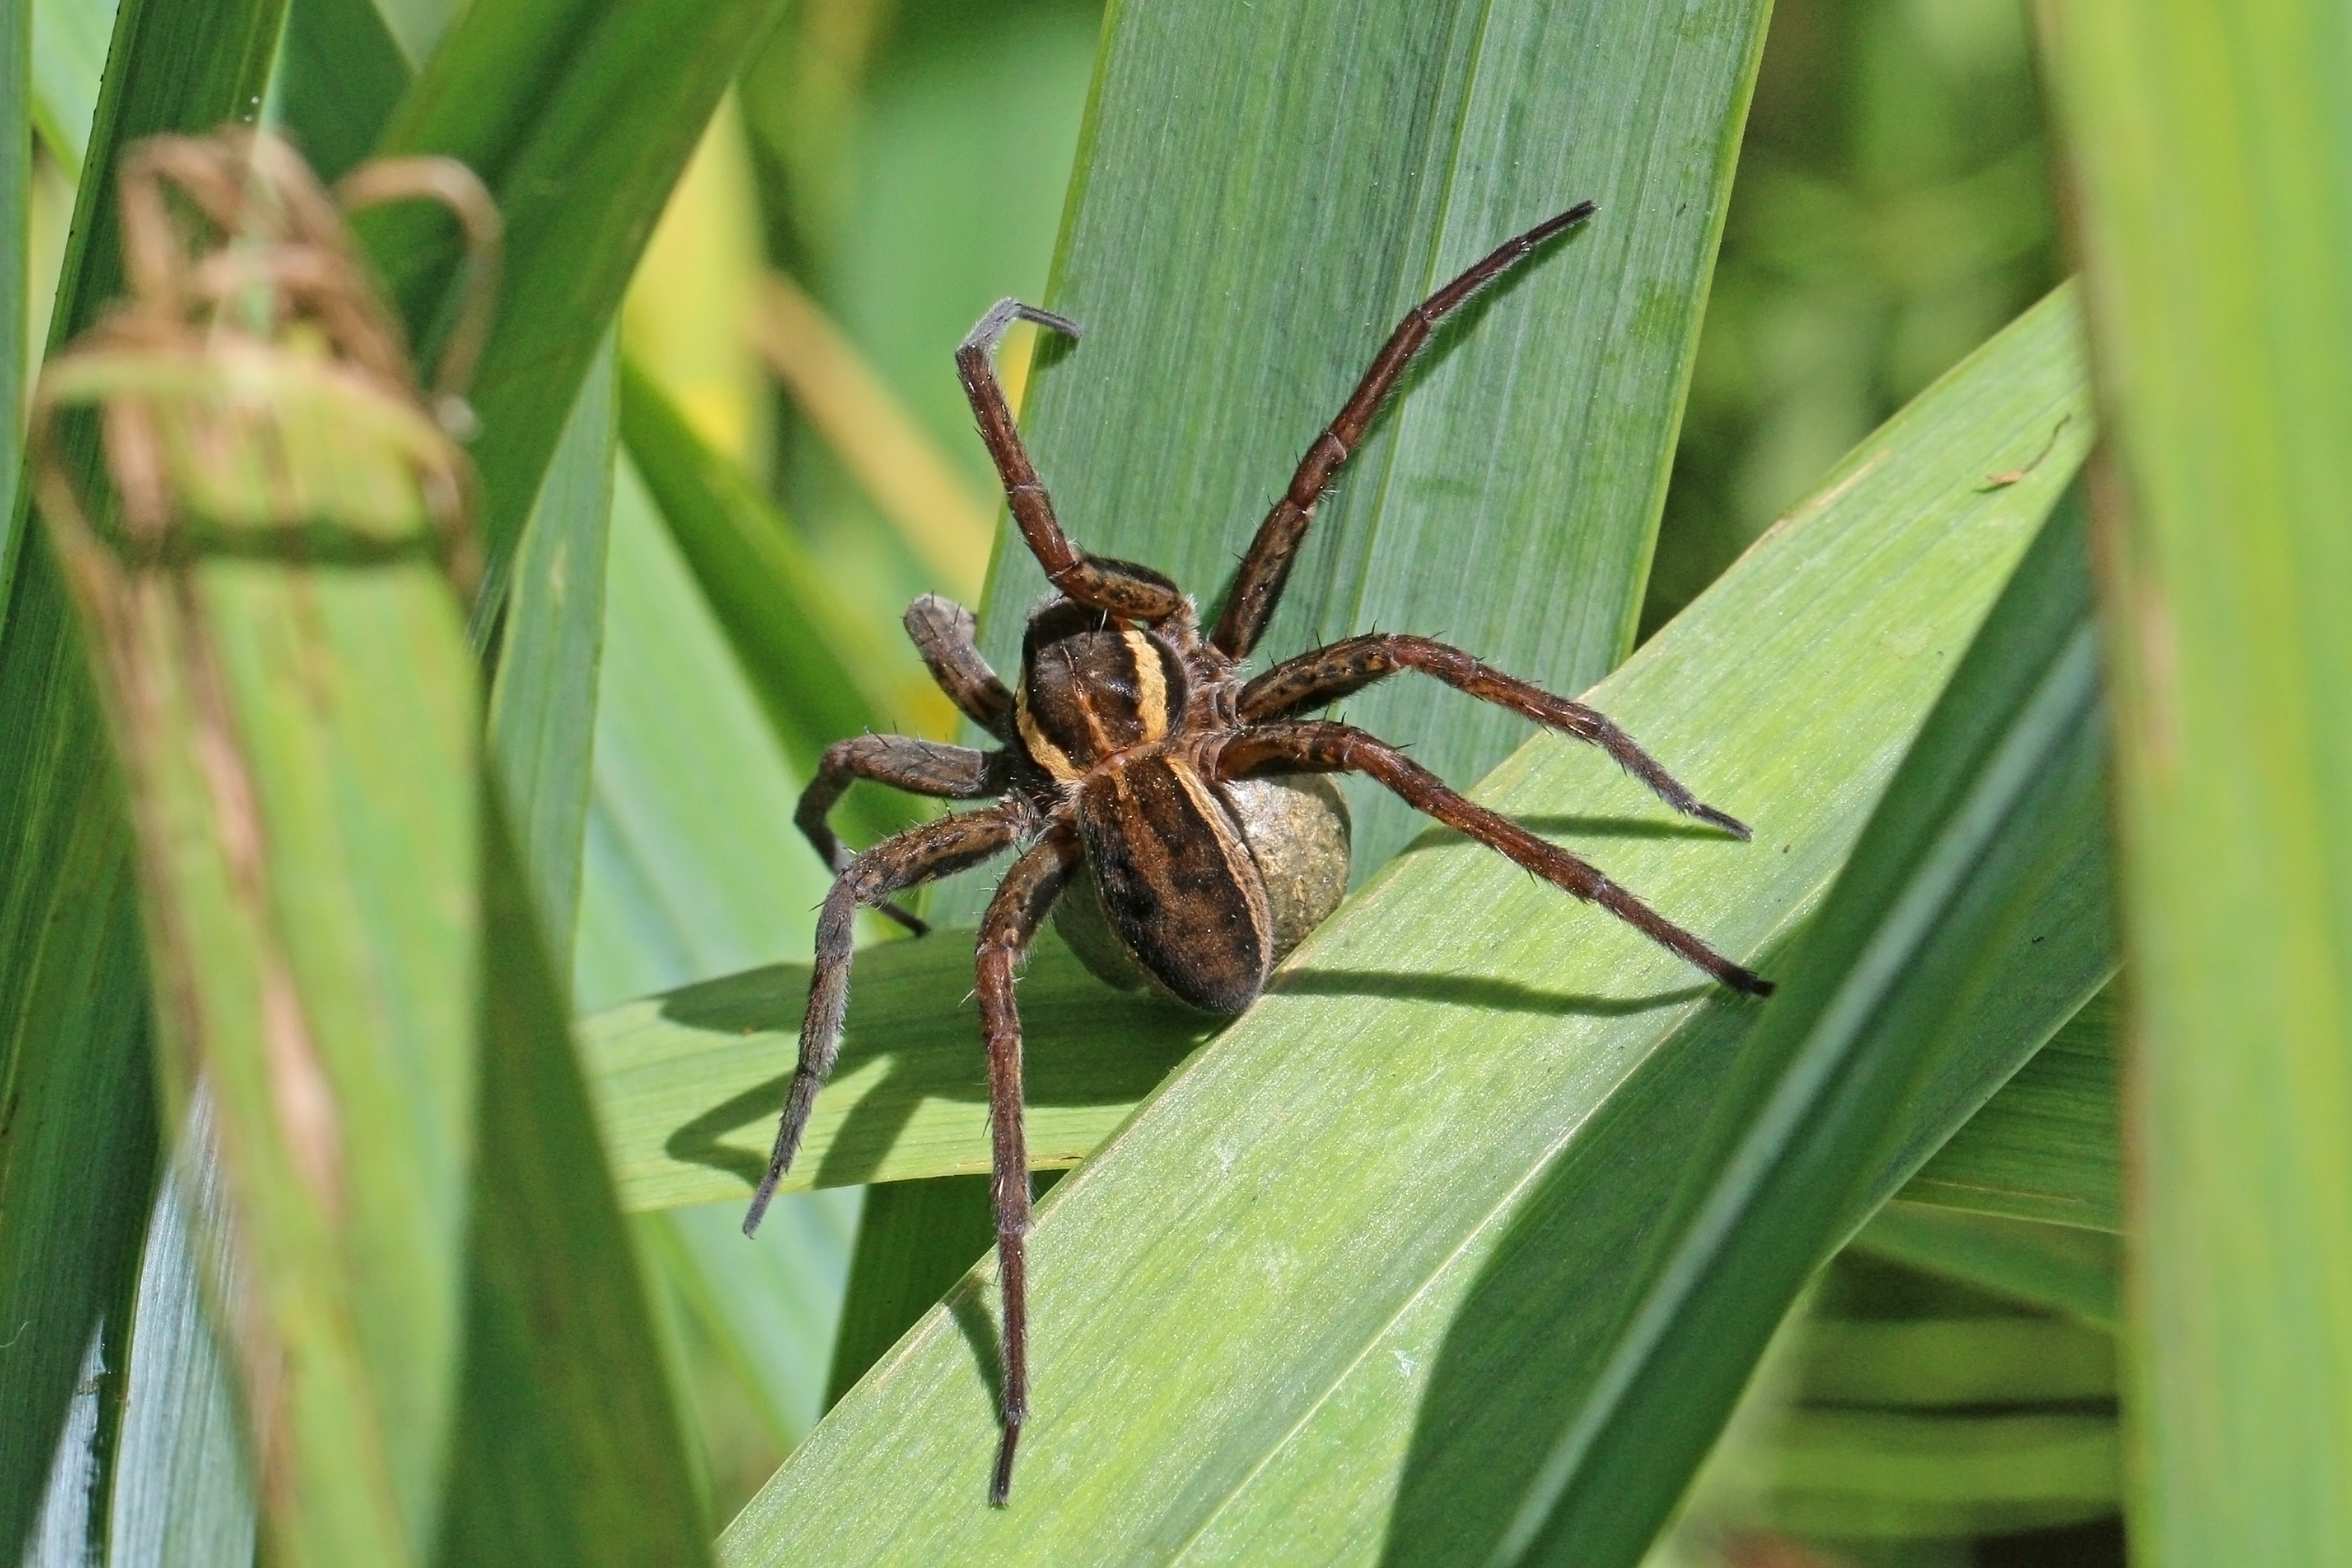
<point x="1176" y="884"/>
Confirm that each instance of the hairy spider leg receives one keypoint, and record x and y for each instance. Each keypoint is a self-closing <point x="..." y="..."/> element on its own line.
<point x="943" y="632"/>
<point x="1107" y="585"/>
<point x="1327" y="673"/>
<point x="1258" y="584"/>
<point x="923" y="853"/>
<point x="1314" y="746"/>
<point x="1022" y="902"/>
<point x="918" y="767"/>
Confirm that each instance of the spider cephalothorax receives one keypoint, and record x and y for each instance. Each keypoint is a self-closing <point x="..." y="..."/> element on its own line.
<point x="1177" y="799"/>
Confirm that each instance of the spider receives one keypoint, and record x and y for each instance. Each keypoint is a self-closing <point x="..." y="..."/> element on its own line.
<point x="1123" y="752"/>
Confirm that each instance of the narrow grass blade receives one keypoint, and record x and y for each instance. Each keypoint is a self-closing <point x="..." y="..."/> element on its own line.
<point x="183" y="1486"/>
<point x="568" y="1446"/>
<point x="577" y="116"/>
<point x="2226" y="364"/>
<point x="68" y="43"/>
<point x="693" y="867"/>
<point x="76" y="1180"/>
<point x="15" y="225"/>
<point x="790" y="636"/>
<point x="342" y="76"/>
<point x="2046" y="1147"/>
<point x="915" y="1240"/>
<point x="542" y="729"/>
<point x="1237" y="1303"/>
<point x="1972" y="921"/>
<point x="1261" y="193"/>
<point x="2061" y="1267"/>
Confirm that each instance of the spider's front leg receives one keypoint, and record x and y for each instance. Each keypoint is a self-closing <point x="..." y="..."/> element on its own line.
<point x="1258" y="585"/>
<point x="943" y="632"/>
<point x="1326" y="675"/>
<point x="923" y="853"/>
<point x="1113" y="586"/>
<point x="918" y="767"/>
<point x="1318" y="747"/>
<point x="1022" y="902"/>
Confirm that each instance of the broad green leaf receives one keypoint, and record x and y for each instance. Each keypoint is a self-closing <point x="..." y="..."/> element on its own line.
<point x="1972" y="921"/>
<point x="77" y="1178"/>
<point x="687" y="1082"/>
<point x="2226" y="357"/>
<point x="1238" y="1302"/>
<point x="1261" y="193"/>
<point x="542" y="724"/>
<point x="578" y="115"/>
<point x="300" y="739"/>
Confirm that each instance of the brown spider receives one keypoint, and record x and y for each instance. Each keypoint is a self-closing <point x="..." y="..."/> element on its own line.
<point x="1122" y="752"/>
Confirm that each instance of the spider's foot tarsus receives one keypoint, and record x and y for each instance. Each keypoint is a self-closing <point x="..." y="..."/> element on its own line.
<point x="1746" y="980"/>
<point x="1000" y="1486"/>
<point x="1723" y="819"/>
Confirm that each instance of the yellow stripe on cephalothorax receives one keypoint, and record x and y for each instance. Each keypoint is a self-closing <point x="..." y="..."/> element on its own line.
<point x="1150" y="685"/>
<point x="1050" y="757"/>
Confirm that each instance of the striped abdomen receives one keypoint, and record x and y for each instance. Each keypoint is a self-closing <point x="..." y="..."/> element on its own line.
<point x="1176" y="881"/>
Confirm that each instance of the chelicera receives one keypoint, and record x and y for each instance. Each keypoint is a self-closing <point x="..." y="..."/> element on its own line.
<point x="1131" y="768"/>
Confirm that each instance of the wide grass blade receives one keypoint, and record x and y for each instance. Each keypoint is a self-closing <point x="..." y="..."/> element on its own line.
<point x="1972" y="921"/>
<point x="2210" y="149"/>
<point x="1238" y="1302"/>
<point x="1261" y="193"/>
<point x="77" y="1178"/>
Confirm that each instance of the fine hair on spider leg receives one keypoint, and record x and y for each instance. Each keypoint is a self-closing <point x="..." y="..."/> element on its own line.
<point x="1129" y="754"/>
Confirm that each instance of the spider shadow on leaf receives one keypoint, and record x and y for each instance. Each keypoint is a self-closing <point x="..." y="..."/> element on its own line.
<point x="1092" y="1046"/>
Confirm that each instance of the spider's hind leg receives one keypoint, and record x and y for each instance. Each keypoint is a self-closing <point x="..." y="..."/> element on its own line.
<point x="1105" y="585"/>
<point x="1327" y="674"/>
<point x="918" y="767"/>
<point x="1318" y="747"/>
<point x="933" y="849"/>
<point x="1022" y="902"/>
